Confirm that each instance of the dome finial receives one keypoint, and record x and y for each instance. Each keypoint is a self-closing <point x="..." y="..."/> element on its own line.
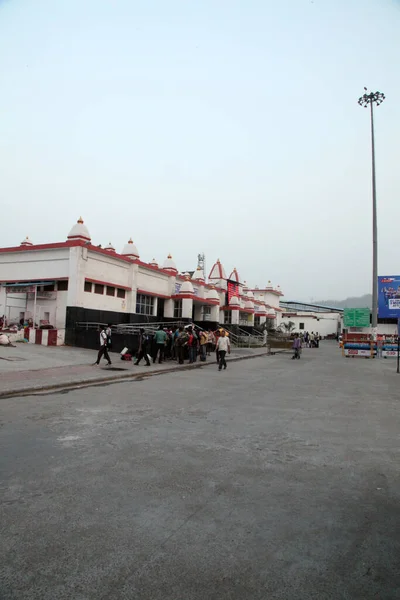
<point x="130" y="250"/>
<point x="212" y="293"/>
<point x="169" y="264"/>
<point x="26" y="242"/>
<point x="186" y="287"/>
<point x="79" y="232"/>
<point x="198" y="275"/>
<point x="234" y="301"/>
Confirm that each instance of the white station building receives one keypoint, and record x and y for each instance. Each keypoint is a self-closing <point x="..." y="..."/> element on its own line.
<point x="310" y="317"/>
<point x="58" y="283"/>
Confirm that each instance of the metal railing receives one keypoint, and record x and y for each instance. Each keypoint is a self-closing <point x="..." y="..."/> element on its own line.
<point x="242" y="338"/>
<point x="128" y="328"/>
<point x="250" y="341"/>
<point x="239" y="338"/>
<point x="133" y="329"/>
<point x="89" y="325"/>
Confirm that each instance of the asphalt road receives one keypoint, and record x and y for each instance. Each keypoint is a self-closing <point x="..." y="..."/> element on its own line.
<point x="276" y="479"/>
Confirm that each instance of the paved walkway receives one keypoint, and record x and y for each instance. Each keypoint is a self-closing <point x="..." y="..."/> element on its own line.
<point x="273" y="480"/>
<point x="28" y="368"/>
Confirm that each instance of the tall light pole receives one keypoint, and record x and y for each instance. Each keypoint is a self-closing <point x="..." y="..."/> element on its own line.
<point x="369" y="98"/>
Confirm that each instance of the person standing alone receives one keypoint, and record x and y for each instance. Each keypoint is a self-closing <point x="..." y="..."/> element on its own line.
<point x="104" y="341"/>
<point x="296" y="346"/>
<point x="223" y="347"/>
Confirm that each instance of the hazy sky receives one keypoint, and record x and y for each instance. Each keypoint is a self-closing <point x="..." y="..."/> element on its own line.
<point x="229" y="127"/>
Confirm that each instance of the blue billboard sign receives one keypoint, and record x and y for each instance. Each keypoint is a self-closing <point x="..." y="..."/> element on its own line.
<point x="389" y="297"/>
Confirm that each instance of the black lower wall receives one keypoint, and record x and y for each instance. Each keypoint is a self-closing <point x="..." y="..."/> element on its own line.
<point x="90" y="338"/>
<point x="76" y="314"/>
<point x="77" y="335"/>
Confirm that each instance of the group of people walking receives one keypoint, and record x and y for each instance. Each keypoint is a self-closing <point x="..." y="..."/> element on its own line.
<point x="182" y="343"/>
<point x="307" y="340"/>
<point x="179" y="343"/>
<point x="310" y="340"/>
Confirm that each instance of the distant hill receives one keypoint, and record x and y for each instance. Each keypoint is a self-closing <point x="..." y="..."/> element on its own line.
<point x="357" y="302"/>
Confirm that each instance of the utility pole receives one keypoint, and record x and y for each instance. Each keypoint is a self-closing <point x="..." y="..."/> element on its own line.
<point x="369" y="99"/>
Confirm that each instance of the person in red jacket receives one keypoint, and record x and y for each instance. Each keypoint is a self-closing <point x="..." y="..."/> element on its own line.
<point x="192" y="344"/>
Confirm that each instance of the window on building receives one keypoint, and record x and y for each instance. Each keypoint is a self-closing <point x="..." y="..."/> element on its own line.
<point x="49" y="287"/>
<point x="256" y="320"/>
<point x="62" y="286"/>
<point x="178" y="309"/>
<point x="110" y="290"/>
<point x="243" y="319"/>
<point x="120" y="293"/>
<point x="227" y="317"/>
<point x="206" y="313"/>
<point x="144" y="304"/>
<point x="301" y="325"/>
<point x="99" y="288"/>
<point x="88" y="286"/>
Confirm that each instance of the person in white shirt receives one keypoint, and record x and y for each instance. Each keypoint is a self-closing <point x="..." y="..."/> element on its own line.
<point x="103" y="347"/>
<point x="223" y="347"/>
